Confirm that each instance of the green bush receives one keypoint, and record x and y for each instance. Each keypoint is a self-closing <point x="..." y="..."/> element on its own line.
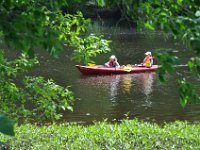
<point x="130" y="134"/>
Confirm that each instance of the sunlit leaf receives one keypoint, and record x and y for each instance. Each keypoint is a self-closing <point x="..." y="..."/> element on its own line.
<point x="101" y="3"/>
<point x="197" y="14"/>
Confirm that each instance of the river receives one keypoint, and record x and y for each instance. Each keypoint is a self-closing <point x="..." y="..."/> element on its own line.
<point x="116" y="97"/>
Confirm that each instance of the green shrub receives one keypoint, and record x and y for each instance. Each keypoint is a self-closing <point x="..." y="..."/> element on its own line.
<point x="130" y="134"/>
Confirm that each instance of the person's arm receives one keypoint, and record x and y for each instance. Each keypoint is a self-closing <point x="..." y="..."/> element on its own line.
<point x="151" y="60"/>
<point x="117" y="65"/>
<point x="106" y="64"/>
<point x="145" y="59"/>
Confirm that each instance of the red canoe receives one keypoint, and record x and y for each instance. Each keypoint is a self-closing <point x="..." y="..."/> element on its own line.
<point x="100" y="70"/>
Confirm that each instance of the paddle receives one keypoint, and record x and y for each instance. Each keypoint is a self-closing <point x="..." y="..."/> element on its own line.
<point x="90" y="64"/>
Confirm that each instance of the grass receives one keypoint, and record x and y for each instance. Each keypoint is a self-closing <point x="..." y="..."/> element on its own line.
<point x="130" y="134"/>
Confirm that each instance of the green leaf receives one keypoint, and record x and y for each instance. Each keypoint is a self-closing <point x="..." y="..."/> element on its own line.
<point x="149" y="26"/>
<point x="183" y="102"/>
<point x="190" y="65"/>
<point x="163" y="14"/>
<point x="6" y="126"/>
<point x="188" y="92"/>
<point x="197" y="14"/>
<point x="179" y="2"/>
<point x="70" y="108"/>
<point x="101" y="3"/>
<point x="196" y="45"/>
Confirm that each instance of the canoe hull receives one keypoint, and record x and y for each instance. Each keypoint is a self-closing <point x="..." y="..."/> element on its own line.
<point x="101" y="70"/>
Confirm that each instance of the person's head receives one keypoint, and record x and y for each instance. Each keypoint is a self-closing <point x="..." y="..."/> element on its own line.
<point x="113" y="58"/>
<point x="148" y="53"/>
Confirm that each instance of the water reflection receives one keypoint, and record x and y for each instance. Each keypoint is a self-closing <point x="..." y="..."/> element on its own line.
<point x="114" y="82"/>
<point x="127" y="84"/>
<point x="112" y="96"/>
<point x="147" y="82"/>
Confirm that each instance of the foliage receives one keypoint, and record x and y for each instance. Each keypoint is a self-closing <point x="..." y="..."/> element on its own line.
<point x="38" y="100"/>
<point x="130" y="134"/>
<point x="14" y="67"/>
<point x="89" y="47"/>
<point x="187" y="92"/>
<point x="46" y="98"/>
<point x="166" y="59"/>
<point x="30" y="25"/>
<point x="26" y="24"/>
<point x="6" y="126"/>
<point x="194" y="65"/>
<point x="129" y="9"/>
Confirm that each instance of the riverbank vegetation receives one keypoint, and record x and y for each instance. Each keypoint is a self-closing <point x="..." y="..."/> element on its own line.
<point x="129" y="134"/>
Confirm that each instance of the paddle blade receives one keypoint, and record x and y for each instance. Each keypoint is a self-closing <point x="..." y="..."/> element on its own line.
<point x="90" y="64"/>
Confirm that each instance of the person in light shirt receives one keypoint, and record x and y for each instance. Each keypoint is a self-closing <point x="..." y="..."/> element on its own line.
<point x="112" y="63"/>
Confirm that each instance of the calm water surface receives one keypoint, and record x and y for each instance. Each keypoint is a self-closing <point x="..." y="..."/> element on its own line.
<point x="117" y="96"/>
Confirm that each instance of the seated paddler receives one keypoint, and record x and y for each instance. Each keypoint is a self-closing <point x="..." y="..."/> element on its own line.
<point x="148" y="60"/>
<point x="112" y="63"/>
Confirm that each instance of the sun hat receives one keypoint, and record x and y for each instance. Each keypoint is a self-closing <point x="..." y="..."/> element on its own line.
<point x="148" y="53"/>
<point x="112" y="57"/>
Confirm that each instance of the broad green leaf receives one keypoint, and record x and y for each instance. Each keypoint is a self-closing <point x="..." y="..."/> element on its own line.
<point x="6" y="125"/>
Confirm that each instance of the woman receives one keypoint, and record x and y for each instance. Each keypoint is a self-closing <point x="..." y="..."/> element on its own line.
<point x="112" y="62"/>
<point x="148" y="60"/>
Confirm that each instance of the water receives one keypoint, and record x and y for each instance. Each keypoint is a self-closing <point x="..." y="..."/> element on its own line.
<point x="120" y="96"/>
